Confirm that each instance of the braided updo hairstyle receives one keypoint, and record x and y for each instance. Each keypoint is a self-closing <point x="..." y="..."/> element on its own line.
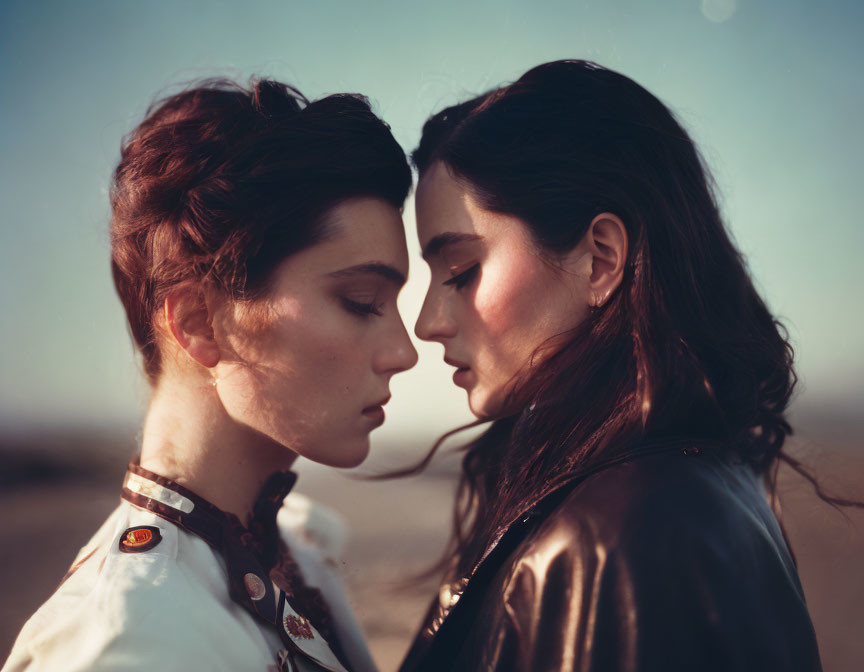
<point x="222" y="183"/>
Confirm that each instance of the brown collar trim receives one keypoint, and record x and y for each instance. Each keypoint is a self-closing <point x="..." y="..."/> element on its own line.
<point x="199" y="502"/>
<point x="275" y="489"/>
<point x="208" y="521"/>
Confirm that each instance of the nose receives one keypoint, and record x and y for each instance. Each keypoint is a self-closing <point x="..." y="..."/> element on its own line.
<point x="396" y="353"/>
<point x="434" y="322"/>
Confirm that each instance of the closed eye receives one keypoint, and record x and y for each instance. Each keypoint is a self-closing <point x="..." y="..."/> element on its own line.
<point x="459" y="281"/>
<point x="362" y="309"/>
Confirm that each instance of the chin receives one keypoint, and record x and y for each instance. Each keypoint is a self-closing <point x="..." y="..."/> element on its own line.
<point x="480" y="406"/>
<point x="341" y="454"/>
<point x="486" y="405"/>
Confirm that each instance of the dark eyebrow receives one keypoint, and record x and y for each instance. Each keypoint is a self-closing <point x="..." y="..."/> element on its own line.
<point x="376" y="268"/>
<point x="442" y="240"/>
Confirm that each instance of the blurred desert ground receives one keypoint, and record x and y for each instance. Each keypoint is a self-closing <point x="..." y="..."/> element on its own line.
<point x="58" y="486"/>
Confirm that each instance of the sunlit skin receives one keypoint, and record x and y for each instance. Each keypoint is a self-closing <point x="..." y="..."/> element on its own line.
<point x="494" y="298"/>
<point x="249" y="386"/>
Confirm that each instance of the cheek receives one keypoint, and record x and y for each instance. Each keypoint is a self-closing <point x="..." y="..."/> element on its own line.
<point x="509" y="297"/>
<point x="304" y="352"/>
<point x="317" y="348"/>
<point x="300" y="377"/>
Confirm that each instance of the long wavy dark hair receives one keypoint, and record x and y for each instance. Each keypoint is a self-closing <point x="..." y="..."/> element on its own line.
<point x="685" y="348"/>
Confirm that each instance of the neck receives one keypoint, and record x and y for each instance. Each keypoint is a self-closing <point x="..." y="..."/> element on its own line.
<point x="189" y="438"/>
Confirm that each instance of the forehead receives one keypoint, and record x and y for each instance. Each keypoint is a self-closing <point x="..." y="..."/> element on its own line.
<point x="446" y="206"/>
<point x="370" y="228"/>
<point x="360" y="230"/>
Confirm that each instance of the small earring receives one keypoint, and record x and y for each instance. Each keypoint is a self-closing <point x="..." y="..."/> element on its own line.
<point x="215" y="380"/>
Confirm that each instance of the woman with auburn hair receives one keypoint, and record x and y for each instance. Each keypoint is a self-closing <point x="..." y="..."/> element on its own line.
<point x="258" y="250"/>
<point x="613" y="516"/>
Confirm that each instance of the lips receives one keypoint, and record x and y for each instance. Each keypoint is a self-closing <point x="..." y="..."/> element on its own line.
<point x="375" y="413"/>
<point x="455" y="362"/>
<point x="378" y="404"/>
<point x="462" y="377"/>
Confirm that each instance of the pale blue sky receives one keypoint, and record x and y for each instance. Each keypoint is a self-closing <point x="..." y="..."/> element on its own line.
<point x="774" y="95"/>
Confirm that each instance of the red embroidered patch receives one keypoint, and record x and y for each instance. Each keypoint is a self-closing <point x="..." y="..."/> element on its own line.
<point x="298" y="627"/>
<point x="139" y="539"/>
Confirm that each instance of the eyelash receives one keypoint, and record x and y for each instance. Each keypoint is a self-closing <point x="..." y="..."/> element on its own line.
<point x="459" y="281"/>
<point x="361" y="309"/>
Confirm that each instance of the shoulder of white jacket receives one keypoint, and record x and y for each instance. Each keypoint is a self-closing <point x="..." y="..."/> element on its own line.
<point x="130" y="569"/>
<point x="122" y="602"/>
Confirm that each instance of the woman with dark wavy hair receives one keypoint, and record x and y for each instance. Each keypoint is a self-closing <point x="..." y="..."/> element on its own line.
<point x="258" y="249"/>
<point x="614" y="515"/>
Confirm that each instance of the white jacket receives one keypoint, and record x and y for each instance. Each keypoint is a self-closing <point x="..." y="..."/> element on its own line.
<point x="169" y="608"/>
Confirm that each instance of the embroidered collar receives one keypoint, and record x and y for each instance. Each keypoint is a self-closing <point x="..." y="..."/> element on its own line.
<point x="172" y="501"/>
<point x="263" y="576"/>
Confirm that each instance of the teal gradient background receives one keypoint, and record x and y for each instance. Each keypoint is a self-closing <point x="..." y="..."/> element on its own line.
<point x="774" y="96"/>
<point x="771" y="90"/>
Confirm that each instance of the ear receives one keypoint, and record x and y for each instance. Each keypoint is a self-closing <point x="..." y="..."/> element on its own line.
<point x="606" y="242"/>
<point x="189" y="318"/>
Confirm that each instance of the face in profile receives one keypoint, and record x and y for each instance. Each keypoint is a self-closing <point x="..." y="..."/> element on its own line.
<point x="492" y="300"/>
<point x="309" y="366"/>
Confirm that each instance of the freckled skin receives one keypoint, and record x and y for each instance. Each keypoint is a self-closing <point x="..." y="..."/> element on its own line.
<point x="300" y="367"/>
<point x="514" y="304"/>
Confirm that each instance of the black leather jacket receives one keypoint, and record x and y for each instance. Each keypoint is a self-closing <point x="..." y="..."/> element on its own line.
<point x="671" y="560"/>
